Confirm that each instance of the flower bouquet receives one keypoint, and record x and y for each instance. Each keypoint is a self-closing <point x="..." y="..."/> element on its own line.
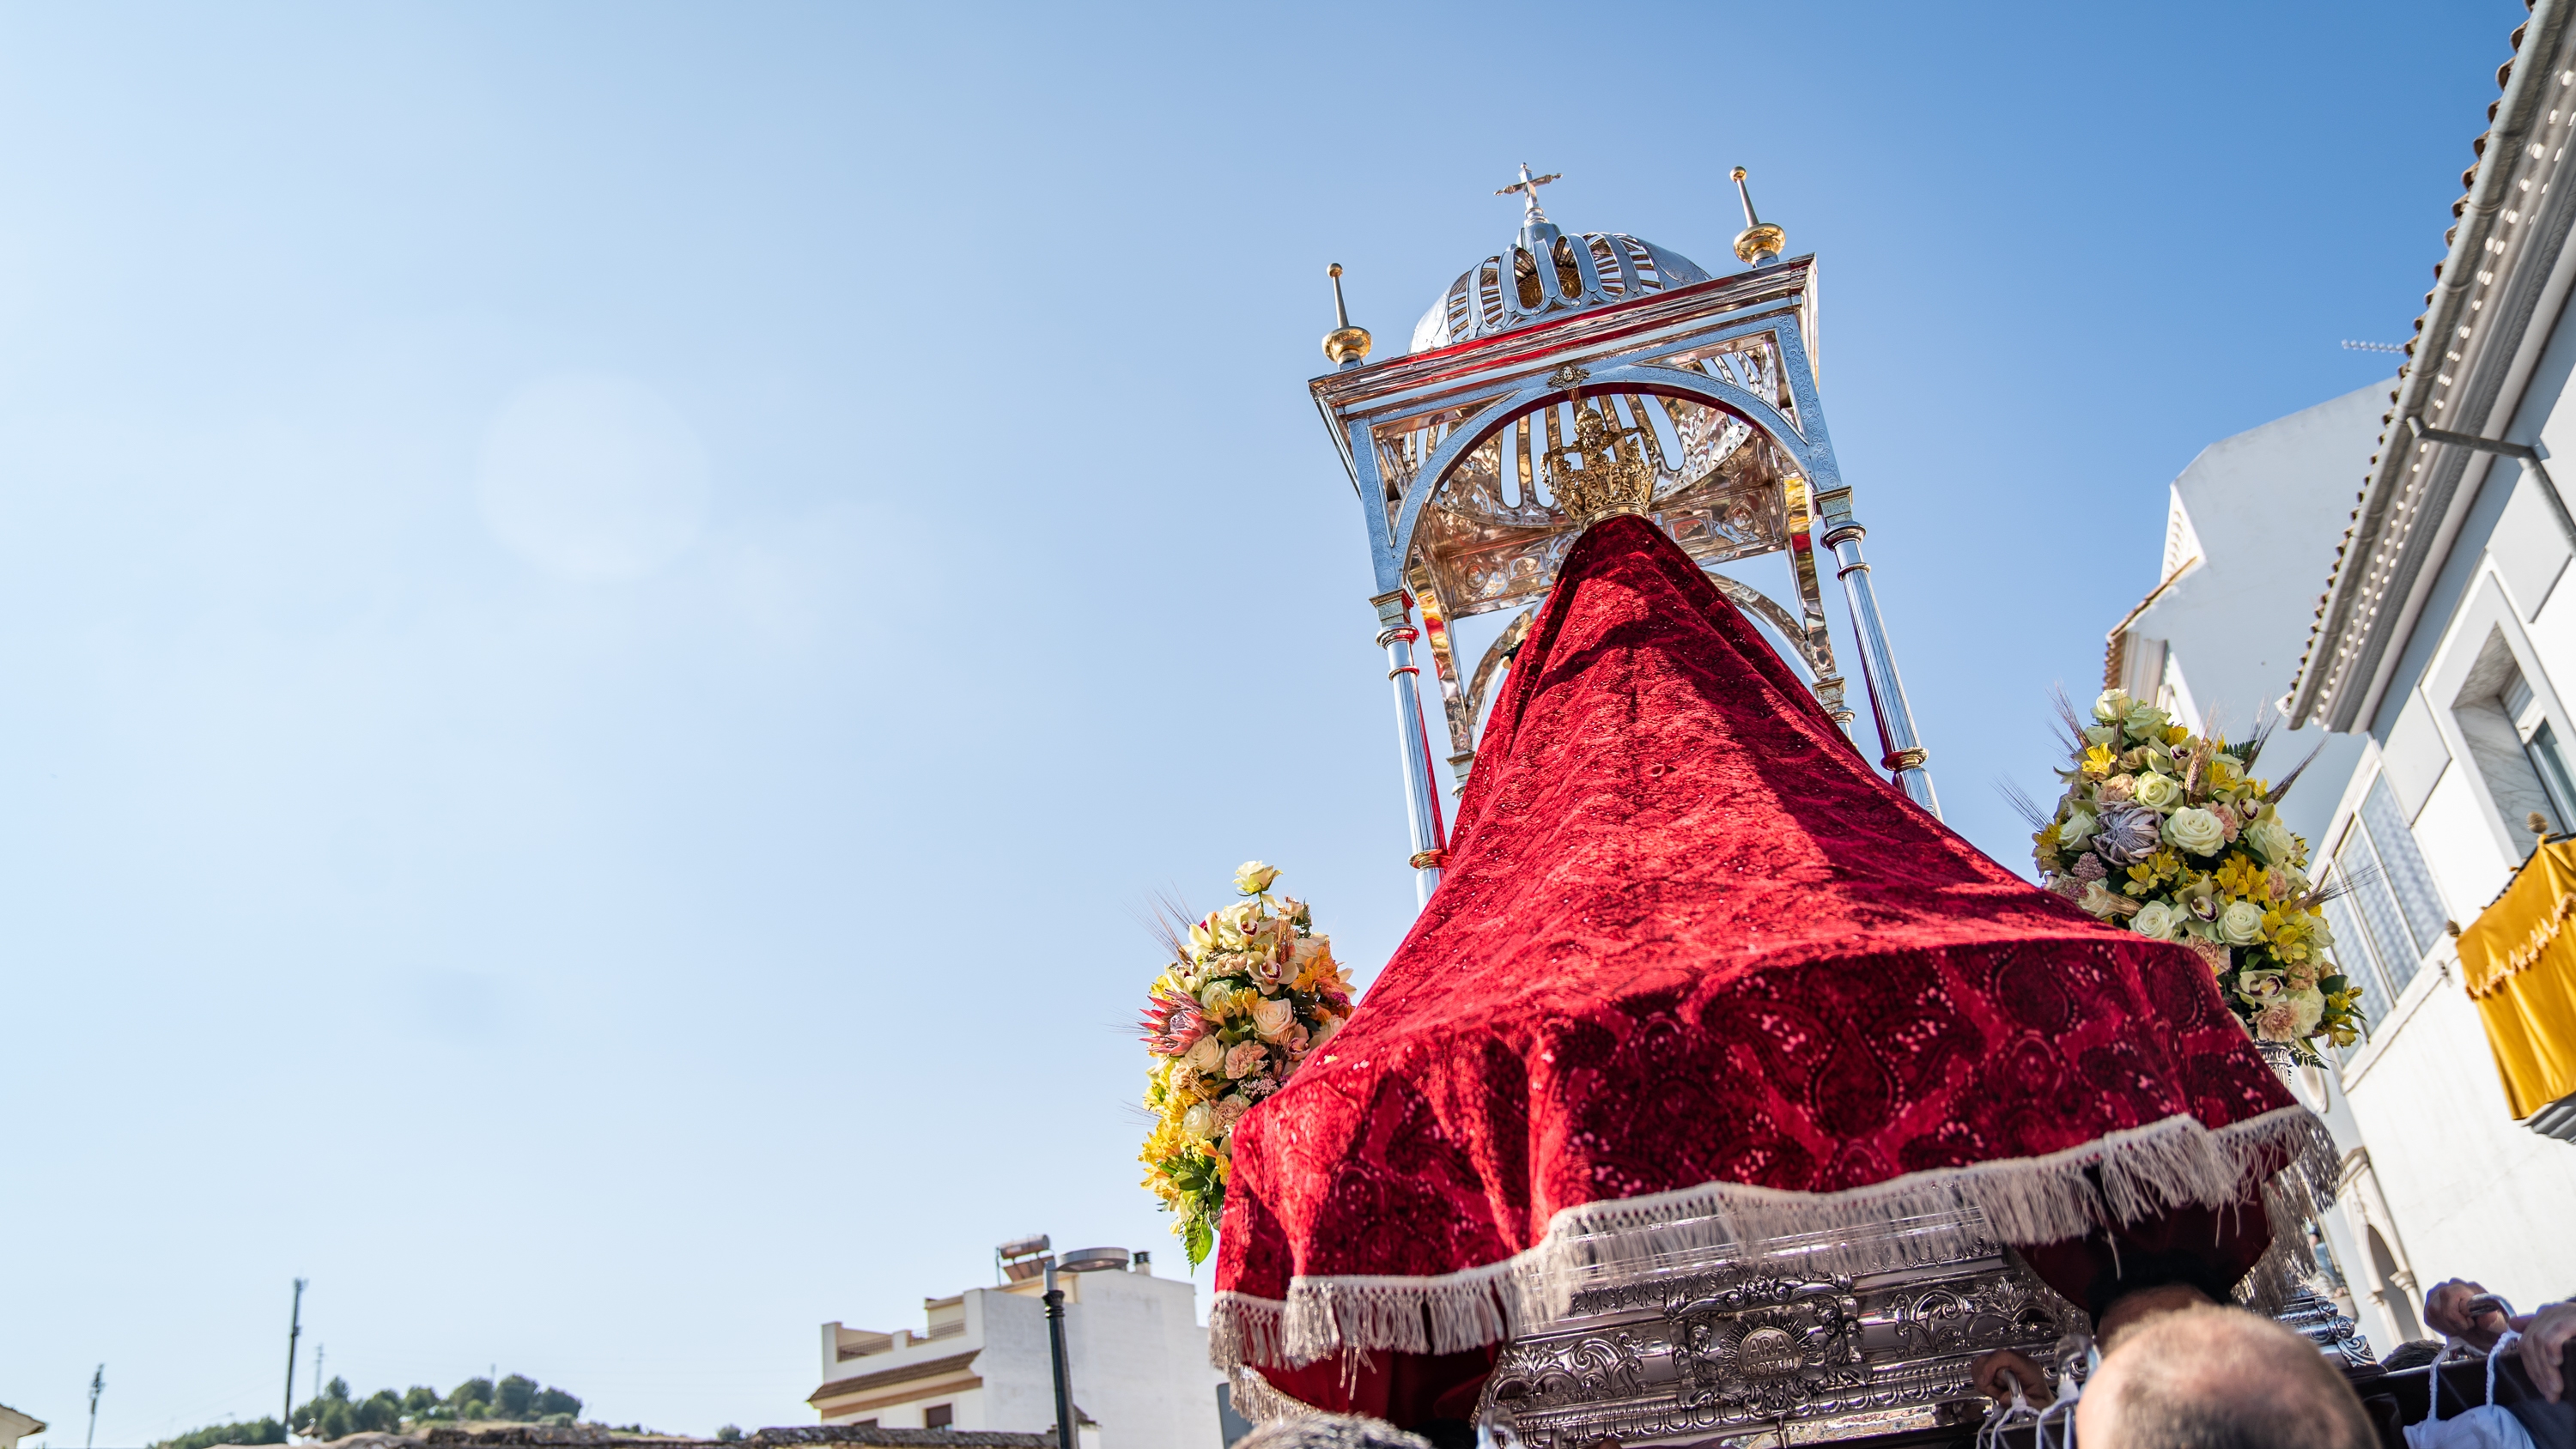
<point x="2166" y="832"/>
<point x="1251" y="991"/>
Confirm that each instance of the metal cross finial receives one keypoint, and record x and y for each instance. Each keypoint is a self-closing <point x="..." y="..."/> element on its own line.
<point x="1528" y="187"/>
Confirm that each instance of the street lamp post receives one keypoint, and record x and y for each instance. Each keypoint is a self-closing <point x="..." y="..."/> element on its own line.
<point x="1081" y="1260"/>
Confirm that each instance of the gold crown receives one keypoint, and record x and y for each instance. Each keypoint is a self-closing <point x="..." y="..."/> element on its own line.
<point x="1606" y="470"/>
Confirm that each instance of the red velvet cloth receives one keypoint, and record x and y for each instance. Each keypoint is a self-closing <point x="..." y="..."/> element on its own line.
<point x="1686" y="935"/>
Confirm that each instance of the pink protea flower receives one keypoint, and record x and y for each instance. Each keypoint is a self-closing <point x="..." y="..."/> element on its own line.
<point x="1172" y="1023"/>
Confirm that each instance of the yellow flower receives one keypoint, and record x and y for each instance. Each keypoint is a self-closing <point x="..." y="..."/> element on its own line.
<point x="2175" y="735"/>
<point x="2290" y="932"/>
<point x="2240" y="877"/>
<point x="2144" y="875"/>
<point x="1320" y="972"/>
<point x="2097" y="761"/>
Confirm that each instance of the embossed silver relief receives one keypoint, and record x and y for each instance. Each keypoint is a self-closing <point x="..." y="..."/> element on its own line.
<point x="1493" y="537"/>
<point x="1750" y="362"/>
<point x="2314" y="1317"/>
<point x="1678" y="1353"/>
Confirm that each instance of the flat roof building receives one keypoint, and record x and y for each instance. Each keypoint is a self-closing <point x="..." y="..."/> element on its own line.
<point x="1141" y="1378"/>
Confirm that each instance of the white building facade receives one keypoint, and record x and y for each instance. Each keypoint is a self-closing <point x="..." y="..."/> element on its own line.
<point x="2438" y="670"/>
<point x="1139" y="1360"/>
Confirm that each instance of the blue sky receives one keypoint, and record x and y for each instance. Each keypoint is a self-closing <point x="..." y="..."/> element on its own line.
<point x="608" y="613"/>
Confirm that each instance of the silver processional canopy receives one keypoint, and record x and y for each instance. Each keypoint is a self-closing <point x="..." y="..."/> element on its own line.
<point x="1572" y="375"/>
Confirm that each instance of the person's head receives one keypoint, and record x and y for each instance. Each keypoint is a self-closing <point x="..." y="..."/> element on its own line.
<point x="2218" y="1378"/>
<point x="2132" y="1309"/>
<point x="1328" y="1431"/>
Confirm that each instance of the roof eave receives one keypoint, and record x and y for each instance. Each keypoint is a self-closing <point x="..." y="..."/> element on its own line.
<point x="2337" y="632"/>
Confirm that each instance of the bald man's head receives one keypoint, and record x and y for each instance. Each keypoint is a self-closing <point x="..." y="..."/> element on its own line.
<point x="2218" y="1378"/>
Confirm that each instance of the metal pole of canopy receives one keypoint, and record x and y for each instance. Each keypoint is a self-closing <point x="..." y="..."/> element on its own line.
<point x="1421" y="793"/>
<point x="1905" y="753"/>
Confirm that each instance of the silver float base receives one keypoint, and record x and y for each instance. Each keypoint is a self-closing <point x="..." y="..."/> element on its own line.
<point x="1730" y="1346"/>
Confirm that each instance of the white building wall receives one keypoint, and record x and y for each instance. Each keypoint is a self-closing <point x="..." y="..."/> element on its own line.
<point x="1140" y="1363"/>
<point x="1019" y="1382"/>
<point x="2464" y="1190"/>
<point x="2476" y="1196"/>
<point x="1138" y="1355"/>
<point x="2459" y="845"/>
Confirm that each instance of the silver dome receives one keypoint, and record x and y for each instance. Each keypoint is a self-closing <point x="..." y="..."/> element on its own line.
<point x="1589" y="269"/>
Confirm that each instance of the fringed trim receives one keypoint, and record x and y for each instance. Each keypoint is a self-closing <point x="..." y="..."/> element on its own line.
<point x="2124" y="1176"/>
<point x="2486" y="978"/>
<point x="1255" y="1399"/>
<point x="2290" y="1200"/>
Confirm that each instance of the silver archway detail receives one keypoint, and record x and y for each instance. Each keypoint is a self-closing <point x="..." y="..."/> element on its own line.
<point x="1714" y="385"/>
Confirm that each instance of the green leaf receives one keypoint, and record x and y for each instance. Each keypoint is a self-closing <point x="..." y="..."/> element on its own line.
<point x="1196" y="1239"/>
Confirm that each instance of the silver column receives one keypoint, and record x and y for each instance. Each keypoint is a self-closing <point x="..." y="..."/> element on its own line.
<point x="1905" y="753"/>
<point x="1421" y="794"/>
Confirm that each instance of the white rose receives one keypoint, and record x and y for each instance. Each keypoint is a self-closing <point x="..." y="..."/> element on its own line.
<point x="2112" y="704"/>
<point x="1272" y="1015"/>
<point x="2273" y="841"/>
<point x="1252" y="877"/>
<point x="2155" y="919"/>
<point x="2159" y="792"/>
<point x="1206" y="1054"/>
<point x="2241" y="924"/>
<point x="1201" y="1122"/>
<point x="2079" y="827"/>
<point x="2195" y="831"/>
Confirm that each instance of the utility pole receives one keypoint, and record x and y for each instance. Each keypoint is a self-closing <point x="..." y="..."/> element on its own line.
<point x="294" y="1331"/>
<point x="97" y="1385"/>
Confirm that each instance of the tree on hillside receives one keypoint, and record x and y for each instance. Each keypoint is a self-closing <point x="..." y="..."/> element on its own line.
<point x="337" y="1412"/>
<point x="259" y="1431"/>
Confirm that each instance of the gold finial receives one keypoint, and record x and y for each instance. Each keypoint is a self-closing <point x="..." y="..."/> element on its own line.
<point x="1346" y="345"/>
<point x="1760" y="241"/>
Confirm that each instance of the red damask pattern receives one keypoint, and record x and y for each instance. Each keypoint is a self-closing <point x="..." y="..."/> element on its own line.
<point x="1688" y="936"/>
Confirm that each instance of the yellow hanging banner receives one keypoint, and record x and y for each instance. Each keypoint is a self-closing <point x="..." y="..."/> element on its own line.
<point x="2518" y="960"/>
